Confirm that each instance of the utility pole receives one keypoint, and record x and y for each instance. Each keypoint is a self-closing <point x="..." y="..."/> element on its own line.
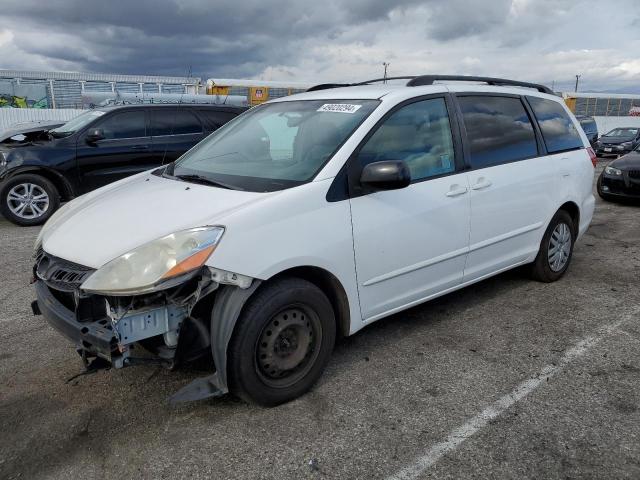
<point x="385" y="65"/>
<point x="577" y="79"/>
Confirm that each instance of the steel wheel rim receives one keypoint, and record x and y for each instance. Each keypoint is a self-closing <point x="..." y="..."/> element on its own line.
<point x="288" y="346"/>
<point x="28" y="201"/>
<point x="559" y="247"/>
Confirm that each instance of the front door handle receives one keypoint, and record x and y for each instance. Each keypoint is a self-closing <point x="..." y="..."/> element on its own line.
<point x="481" y="183"/>
<point x="140" y="147"/>
<point x="456" y="190"/>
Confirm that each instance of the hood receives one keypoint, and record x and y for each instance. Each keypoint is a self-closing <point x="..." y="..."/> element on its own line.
<point x="115" y="219"/>
<point x="630" y="161"/>
<point x="616" y="140"/>
<point x="29" y="127"/>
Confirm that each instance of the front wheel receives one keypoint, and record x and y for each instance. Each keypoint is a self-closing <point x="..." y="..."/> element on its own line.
<point x="281" y="343"/>
<point x="28" y="199"/>
<point x="556" y="249"/>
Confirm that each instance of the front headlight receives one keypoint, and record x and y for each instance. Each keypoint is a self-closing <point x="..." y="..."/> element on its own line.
<point x="626" y="144"/>
<point x="147" y="267"/>
<point x="612" y="171"/>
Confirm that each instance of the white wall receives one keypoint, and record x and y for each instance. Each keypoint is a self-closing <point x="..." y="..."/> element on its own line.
<point x="606" y="124"/>
<point x="11" y="116"/>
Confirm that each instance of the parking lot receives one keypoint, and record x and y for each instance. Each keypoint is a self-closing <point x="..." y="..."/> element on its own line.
<point x="505" y="379"/>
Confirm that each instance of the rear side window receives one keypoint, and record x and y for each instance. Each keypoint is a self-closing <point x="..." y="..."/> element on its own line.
<point x="419" y="134"/>
<point x="557" y="128"/>
<point x="213" y="120"/>
<point x="124" y="125"/>
<point x="589" y="126"/>
<point x="174" y="121"/>
<point x="498" y="130"/>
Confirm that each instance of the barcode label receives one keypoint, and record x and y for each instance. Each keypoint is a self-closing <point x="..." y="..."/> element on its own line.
<point x="339" y="108"/>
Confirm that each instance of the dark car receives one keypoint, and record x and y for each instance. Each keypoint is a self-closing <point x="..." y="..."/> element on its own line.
<point x="618" y="141"/>
<point x="590" y="128"/>
<point x="96" y="148"/>
<point x="621" y="178"/>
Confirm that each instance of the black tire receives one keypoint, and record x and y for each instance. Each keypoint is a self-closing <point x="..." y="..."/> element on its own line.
<point x="41" y="184"/>
<point x="275" y="325"/>
<point x="542" y="268"/>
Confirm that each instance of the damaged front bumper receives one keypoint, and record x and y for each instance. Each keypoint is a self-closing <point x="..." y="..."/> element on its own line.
<point x="108" y="337"/>
<point x="191" y="319"/>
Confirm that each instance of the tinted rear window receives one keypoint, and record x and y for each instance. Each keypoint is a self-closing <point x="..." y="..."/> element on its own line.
<point x="557" y="128"/>
<point x="498" y="130"/>
<point x="588" y="126"/>
<point x="174" y="121"/>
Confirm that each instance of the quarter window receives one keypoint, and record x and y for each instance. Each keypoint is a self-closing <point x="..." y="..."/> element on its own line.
<point x="124" y="125"/>
<point x="213" y="119"/>
<point x="173" y="121"/>
<point x="419" y="134"/>
<point x="498" y="130"/>
<point x="557" y="128"/>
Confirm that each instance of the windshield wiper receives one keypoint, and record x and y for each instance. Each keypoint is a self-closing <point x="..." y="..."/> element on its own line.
<point x="205" y="181"/>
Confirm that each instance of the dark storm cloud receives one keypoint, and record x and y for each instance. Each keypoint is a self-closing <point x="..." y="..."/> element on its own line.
<point x="327" y="40"/>
<point x="463" y="18"/>
<point x="164" y="36"/>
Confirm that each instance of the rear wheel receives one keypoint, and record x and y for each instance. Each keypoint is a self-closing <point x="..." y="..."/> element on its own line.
<point x="556" y="249"/>
<point x="281" y="343"/>
<point x="28" y="199"/>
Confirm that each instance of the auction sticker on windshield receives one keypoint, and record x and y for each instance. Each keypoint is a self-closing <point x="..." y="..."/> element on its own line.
<point x="339" y="107"/>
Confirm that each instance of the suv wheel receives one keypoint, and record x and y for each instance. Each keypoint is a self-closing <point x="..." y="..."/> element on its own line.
<point x="556" y="249"/>
<point x="28" y="199"/>
<point x="281" y="343"/>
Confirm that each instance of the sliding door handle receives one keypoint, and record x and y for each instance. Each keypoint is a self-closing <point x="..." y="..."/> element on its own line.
<point x="481" y="183"/>
<point x="456" y="190"/>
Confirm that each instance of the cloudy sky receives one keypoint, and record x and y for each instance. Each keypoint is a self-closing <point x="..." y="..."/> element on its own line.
<point x="547" y="41"/>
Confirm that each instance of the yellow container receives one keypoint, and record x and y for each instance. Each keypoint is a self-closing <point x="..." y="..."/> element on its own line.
<point x="258" y="95"/>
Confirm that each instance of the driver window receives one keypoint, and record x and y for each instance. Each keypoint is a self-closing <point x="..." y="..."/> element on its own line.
<point x="419" y="134"/>
<point x="124" y="125"/>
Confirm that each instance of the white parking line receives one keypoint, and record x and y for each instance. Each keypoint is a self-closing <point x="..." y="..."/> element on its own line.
<point x="481" y="420"/>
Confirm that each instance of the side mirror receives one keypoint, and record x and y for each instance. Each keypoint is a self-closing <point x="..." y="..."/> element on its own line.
<point x="386" y="175"/>
<point x="94" y="135"/>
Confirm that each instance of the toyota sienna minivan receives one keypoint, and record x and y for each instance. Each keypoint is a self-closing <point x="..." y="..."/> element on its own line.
<point x="312" y="216"/>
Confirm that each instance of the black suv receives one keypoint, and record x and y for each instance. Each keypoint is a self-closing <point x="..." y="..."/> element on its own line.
<point x="98" y="147"/>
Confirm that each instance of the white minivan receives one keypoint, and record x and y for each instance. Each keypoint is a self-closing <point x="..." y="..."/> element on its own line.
<point x="312" y="216"/>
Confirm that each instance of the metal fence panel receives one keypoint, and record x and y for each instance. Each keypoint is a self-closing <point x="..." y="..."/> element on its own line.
<point x="10" y="116"/>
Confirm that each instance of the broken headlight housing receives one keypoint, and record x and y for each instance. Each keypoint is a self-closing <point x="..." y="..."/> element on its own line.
<point x="153" y="265"/>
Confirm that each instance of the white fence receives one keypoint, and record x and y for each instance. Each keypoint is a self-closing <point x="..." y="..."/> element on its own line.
<point x="11" y="116"/>
<point x="606" y="124"/>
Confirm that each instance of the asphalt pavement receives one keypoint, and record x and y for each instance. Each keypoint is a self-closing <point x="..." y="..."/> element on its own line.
<point x="507" y="379"/>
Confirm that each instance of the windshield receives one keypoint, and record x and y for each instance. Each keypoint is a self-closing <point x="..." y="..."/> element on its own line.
<point x="622" y="132"/>
<point x="76" y="124"/>
<point x="274" y="146"/>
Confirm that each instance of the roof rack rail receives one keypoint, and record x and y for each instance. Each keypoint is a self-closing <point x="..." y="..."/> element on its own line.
<point x="325" y="86"/>
<point x="415" y="81"/>
<point x="430" y="79"/>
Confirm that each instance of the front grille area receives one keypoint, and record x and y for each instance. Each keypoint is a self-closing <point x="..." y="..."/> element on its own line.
<point x="634" y="174"/>
<point x="60" y="274"/>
